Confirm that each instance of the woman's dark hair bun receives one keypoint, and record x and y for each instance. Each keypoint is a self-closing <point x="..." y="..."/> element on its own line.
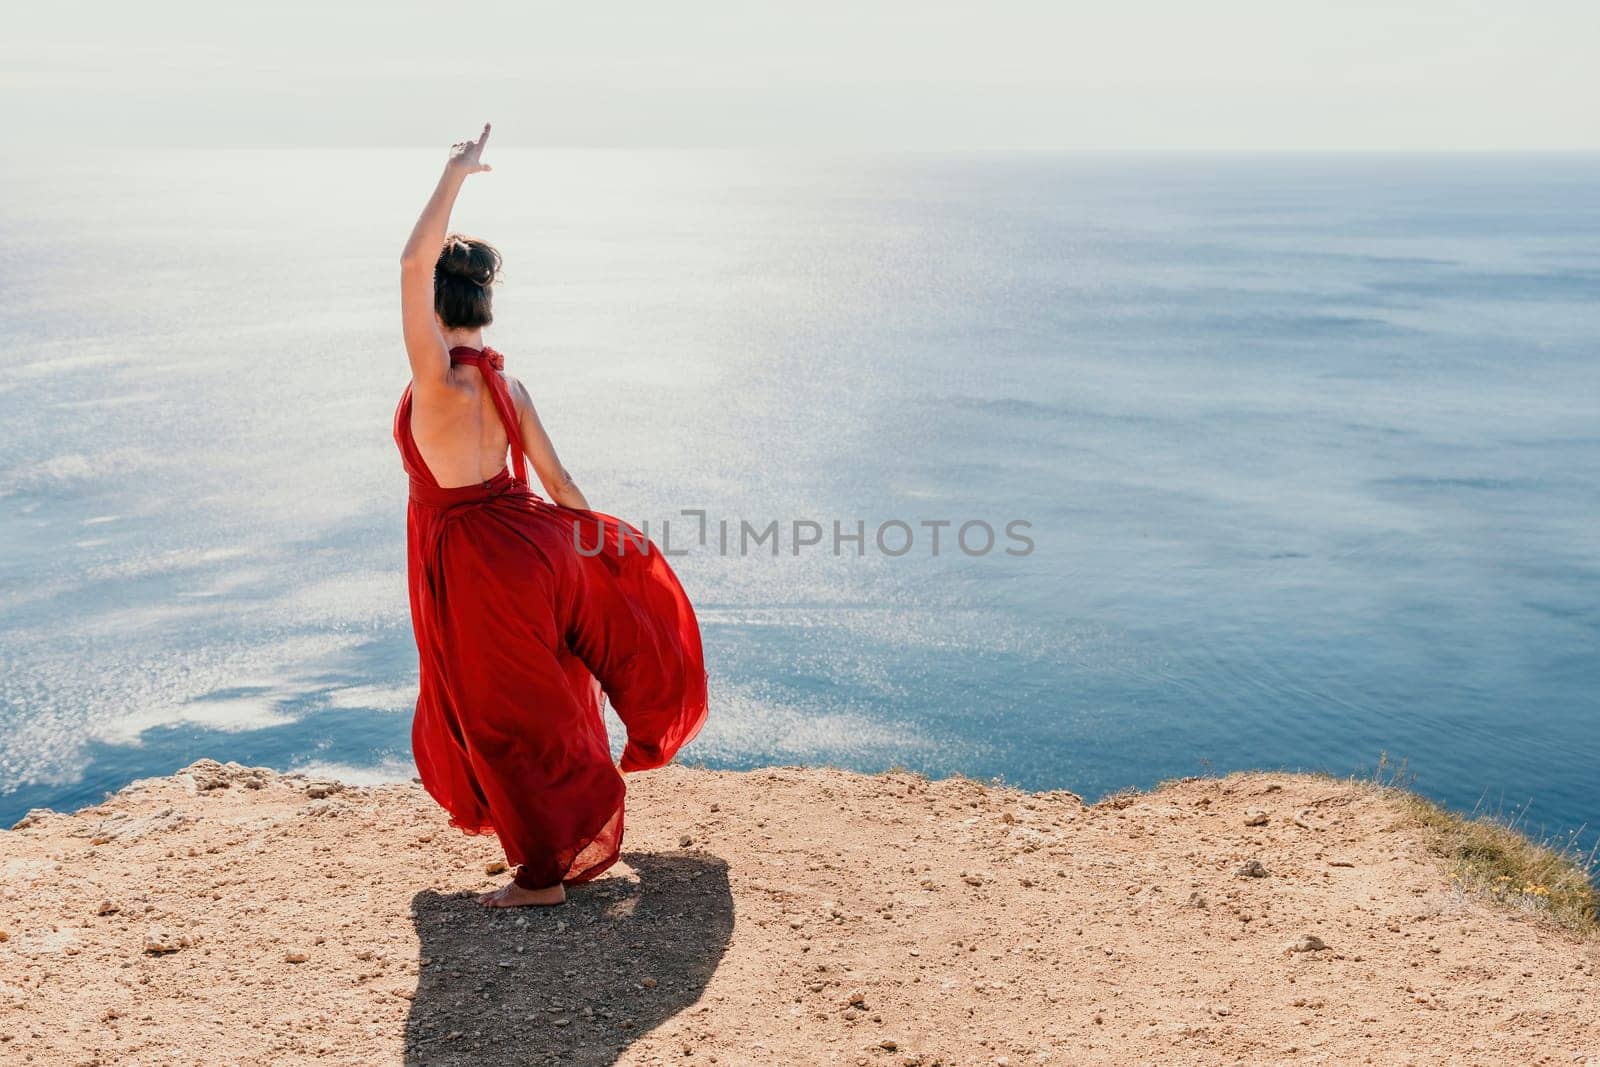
<point x="462" y="278"/>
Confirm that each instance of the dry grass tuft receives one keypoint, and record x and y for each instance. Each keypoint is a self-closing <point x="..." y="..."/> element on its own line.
<point x="1489" y="855"/>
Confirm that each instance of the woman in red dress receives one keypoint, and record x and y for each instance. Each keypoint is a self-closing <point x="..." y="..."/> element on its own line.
<point x="525" y="611"/>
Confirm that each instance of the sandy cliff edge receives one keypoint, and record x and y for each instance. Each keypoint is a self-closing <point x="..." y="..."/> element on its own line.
<point x="793" y="916"/>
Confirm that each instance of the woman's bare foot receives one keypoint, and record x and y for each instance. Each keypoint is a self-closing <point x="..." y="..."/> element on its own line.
<point x="512" y="895"/>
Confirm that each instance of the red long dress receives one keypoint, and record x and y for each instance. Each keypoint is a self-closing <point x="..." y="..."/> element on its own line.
<point x="524" y="611"/>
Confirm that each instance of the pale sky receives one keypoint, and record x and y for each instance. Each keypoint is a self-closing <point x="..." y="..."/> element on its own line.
<point x="1113" y="75"/>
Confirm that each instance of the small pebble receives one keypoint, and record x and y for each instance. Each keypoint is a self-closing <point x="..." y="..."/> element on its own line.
<point x="159" y="940"/>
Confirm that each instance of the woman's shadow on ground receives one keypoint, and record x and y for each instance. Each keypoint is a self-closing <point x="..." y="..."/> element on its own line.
<point x="571" y="985"/>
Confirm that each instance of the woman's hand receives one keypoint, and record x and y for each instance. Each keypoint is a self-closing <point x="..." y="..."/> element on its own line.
<point x="467" y="156"/>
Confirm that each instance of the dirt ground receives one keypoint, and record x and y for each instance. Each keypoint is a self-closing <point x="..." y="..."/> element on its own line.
<point x="788" y="916"/>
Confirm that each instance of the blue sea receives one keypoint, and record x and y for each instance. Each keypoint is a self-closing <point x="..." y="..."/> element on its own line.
<point x="1305" y="448"/>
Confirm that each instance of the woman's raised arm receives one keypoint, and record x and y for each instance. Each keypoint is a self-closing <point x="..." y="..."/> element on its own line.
<point x="430" y="360"/>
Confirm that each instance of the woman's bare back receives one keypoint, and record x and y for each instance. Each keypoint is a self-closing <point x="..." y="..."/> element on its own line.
<point x="458" y="430"/>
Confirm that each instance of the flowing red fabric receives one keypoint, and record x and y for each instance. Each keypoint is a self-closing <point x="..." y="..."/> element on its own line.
<point x="527" y="614"/>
